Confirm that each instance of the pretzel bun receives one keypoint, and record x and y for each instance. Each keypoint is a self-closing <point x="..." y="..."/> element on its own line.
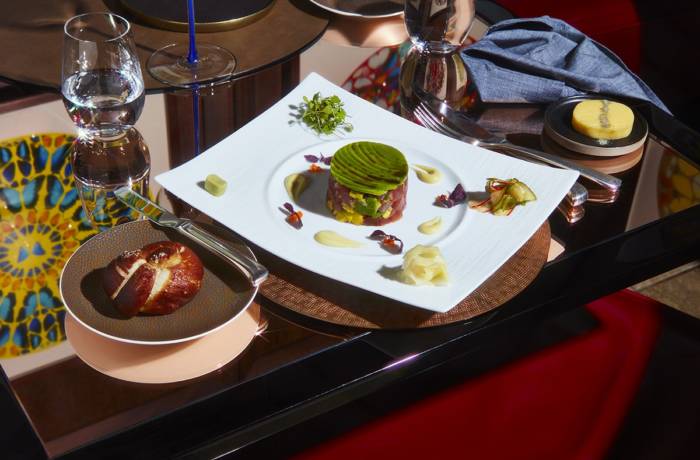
<point x="157" y="279"/>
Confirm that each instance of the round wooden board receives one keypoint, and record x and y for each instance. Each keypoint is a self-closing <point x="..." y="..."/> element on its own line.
<point x="328" y="300"/>
<point x="32" y="36"/>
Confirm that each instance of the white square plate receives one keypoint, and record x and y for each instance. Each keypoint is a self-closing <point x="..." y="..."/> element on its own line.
<point x="255" y="160"/>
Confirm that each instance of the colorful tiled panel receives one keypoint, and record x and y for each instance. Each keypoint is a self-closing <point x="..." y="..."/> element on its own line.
<point x="41" y="223"/>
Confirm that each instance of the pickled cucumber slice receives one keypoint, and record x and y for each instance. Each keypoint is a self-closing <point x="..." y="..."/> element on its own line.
<point x="521" y="192"/>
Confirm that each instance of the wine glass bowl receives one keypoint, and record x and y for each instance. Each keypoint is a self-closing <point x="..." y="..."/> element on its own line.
<point x="102" y="84"/>
<point x="191" y="66"/>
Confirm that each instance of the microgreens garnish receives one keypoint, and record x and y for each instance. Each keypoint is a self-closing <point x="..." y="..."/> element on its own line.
<point x="294" y="217"/>
<point x="322" y="114"/>
<point x="389" y="242"/>
<point x="457" y="196"/>
<point x="322" y="159"/>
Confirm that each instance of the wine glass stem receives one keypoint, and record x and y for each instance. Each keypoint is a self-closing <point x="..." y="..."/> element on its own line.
<point x="192" y="55"/>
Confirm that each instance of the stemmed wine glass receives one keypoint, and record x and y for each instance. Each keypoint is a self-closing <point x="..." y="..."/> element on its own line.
<point x="189" y="65"/>
<point x="103" y="92"/>
<point x="102" y="85"/>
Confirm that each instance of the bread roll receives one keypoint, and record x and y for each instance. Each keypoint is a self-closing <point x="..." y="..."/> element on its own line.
<point x="156" y="279"/>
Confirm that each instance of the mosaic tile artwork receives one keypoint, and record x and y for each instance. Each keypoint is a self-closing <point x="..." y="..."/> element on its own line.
<point x="42" y="222"/>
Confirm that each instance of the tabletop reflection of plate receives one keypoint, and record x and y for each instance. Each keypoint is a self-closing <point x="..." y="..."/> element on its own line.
<point x="224" y="294"/>
<point x="362" y="8"/>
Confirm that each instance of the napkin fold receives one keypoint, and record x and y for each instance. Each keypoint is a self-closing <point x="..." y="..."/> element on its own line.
<point x="540" y="60"/>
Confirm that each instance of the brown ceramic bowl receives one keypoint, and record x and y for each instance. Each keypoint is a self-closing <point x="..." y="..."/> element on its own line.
<point x="224" y="294"/>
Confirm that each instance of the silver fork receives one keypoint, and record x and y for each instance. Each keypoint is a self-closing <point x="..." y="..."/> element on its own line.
<point x="475" y="134"/>
<point x="576" y="196"/>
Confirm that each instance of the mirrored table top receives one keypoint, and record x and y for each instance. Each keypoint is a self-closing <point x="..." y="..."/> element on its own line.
<point x="296" y="366"/>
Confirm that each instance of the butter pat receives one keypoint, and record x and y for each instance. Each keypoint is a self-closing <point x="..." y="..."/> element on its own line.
<point x="602" y="119"/>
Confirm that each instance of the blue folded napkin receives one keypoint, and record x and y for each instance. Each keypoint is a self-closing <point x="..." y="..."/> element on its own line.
<point x="540" y="60"/>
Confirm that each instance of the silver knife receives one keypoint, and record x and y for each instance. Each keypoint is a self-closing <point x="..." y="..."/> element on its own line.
<point x="480" y="136"/>
<point x="255" y="272"/>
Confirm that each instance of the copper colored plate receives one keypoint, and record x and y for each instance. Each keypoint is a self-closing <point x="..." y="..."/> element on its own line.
<point x="224" y="294"/>
<point x="164" y="363"/>
<point x="337" y="303"/>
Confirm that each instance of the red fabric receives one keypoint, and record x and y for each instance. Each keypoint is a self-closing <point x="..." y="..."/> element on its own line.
<point x="614" y="23"/>
<point x="565" y="402"/>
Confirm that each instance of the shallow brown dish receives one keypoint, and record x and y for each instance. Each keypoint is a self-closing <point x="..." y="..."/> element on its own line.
<point x="224" y="295"/>
<point x="557" y="125"/>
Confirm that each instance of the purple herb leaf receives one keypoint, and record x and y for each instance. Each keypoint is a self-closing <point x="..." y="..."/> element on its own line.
<point x="377" y="235"/>
<point x="326" y="160"/>
<point x="444" y="201"/>
<point x="458" y="195"/>
<point x="289" y="207"/>
<point x="311" y="158"/>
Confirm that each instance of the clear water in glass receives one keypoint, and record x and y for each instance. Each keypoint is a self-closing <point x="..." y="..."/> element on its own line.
<point x="103" y="92"/>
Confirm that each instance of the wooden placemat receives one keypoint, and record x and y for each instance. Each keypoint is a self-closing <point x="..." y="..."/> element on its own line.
<point x="328" y="300"/>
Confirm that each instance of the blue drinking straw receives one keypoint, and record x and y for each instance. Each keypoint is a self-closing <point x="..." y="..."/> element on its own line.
<point x="192" y="59"/>
<point x="192" y="55"/>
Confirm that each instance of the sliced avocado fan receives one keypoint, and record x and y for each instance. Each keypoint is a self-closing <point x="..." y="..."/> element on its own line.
<point x="369" y="167"/>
